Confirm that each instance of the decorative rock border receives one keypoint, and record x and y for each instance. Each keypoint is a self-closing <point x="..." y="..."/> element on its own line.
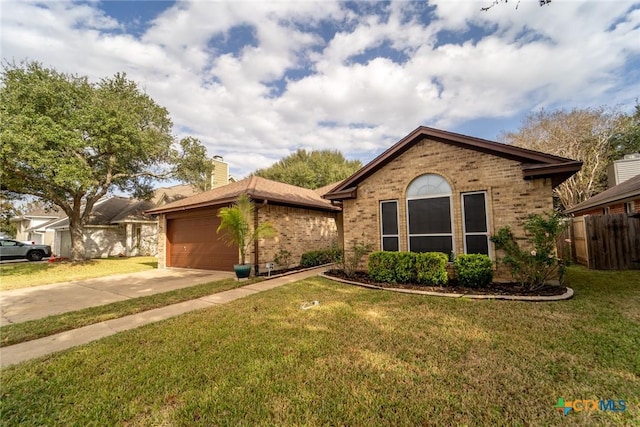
<point x="565" y="296"/>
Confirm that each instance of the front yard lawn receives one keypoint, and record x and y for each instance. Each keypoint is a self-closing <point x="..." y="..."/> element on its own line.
<point x="360" y="357"/>
<point x="24" y="275"/>
<point x="38" y="328"/>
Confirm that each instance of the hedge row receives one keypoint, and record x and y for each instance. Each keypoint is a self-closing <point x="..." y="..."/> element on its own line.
<point x="321" y="257"/>
<point x="428" y="268"/>
<point x="473" y="270"/>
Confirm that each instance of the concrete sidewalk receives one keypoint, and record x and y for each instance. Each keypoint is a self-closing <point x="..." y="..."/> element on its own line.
<point x="20" y="305"/>
<point x="65" y="340"/>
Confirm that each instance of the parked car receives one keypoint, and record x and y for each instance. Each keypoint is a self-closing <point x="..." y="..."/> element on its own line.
<point x="12" y="249"/>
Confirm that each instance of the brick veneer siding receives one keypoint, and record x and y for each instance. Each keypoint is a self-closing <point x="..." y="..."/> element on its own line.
<point x="510" y="198"/>
<point x="162" y="241"/>
<point x="614" y="208"/>
<point x="299" y="231"/>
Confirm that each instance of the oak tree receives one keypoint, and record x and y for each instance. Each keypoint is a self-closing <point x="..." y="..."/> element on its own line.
<point x="70" y="142"/>
<point x="311" y="169"/>
<point x="579" y="134"/>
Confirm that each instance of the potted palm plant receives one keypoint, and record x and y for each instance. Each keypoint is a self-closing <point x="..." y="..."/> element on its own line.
<point x="236" y="221"/>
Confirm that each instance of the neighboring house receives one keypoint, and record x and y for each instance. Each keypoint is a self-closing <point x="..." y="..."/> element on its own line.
<point x="623" y="198"/>
<point x="164" y="195"/>
<point x="623" y="169"/>
<point x="441" y="191"/>
<point x="32" y="226"/>
<point x="187" y="234"/>
<point x="116" y="226"/>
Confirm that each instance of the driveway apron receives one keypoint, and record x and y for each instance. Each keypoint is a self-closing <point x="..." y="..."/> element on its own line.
<point x="20" y="305"/>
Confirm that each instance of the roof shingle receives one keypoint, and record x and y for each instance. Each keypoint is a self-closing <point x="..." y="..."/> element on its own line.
<point x="257" y="188"/>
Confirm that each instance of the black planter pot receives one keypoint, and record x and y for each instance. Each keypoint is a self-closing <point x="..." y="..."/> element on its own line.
<point x="242" y="270"/>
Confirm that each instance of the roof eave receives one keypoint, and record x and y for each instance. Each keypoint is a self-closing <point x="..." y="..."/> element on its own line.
<point x="558" y="172"/>
<point x="504" y="150"/>
<point x="313" y="206"/>
<point x="253" y="195"/>
<point x="209" y="203"/>
<point x="348" y="193"/>
<point x="619" y="198"/>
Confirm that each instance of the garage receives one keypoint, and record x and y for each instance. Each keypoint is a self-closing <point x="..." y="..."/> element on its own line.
<point x="192" y="241"/>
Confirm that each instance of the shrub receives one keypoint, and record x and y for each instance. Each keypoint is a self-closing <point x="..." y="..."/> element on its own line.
<point x="405" y="267"/>
<point x="382" y="267"/>
<point x="283" y="258"/>
<point x="321" y="257"/>
<point x="409" y="267"/>
<point x="473" y="270"/>
<point x="431" y="268"/>
<point x="533" y="266"/>
<point x="351" y="260"/>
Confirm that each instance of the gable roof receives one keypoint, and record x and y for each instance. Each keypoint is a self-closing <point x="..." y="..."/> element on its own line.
<point x="112" y="211"/>
<point x="629" y="189"/>
<point x="257" y="188"/>
<point x="534" y="163"/>
<point x="40" y="211"/>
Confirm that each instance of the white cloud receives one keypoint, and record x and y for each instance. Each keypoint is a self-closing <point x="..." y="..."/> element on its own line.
<point x="513" y="60"/>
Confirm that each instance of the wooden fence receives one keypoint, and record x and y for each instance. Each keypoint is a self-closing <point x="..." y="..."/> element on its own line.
<point x="604" y="242"/>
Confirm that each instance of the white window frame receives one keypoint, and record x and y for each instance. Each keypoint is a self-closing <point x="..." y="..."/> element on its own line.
<point x="397" y="235"/>
<point x="431" y="196"/>
<point x="629" y="207"/>
<point x="475" y="233"/>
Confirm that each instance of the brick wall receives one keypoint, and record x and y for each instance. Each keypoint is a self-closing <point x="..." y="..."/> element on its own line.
<point x="510" y="198"/>
<point x="162" y="241"/>
<point x="614" y="208"/>
<point x="299" y="231"/>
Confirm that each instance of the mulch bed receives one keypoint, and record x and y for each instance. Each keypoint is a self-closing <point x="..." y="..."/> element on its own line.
<point x="453" y="287"/>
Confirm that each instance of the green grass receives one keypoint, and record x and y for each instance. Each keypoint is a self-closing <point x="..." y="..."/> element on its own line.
<point x="33" y="329"/>
<point x="24" y="275"/>
<point x="361" y="357"/>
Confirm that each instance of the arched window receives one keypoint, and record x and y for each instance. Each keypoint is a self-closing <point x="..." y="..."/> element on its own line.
<point x="429" y="214"/>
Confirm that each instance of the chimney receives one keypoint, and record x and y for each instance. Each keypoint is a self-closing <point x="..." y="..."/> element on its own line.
<point x="220" y="175"/>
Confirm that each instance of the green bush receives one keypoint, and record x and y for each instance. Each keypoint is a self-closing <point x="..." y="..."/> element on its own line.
<point x="409" y="267"/>
<point x="321" y="257"/>
<point x="382" y="267"/>
<point x="405" y="267"/>
<point x="431" y="268"/>
<point x="537" y="262"/>
<point x="473" y="270"/>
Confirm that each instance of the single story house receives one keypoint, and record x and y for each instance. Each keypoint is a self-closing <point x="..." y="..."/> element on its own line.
<point x="187" y="228"/>
<point x="622" y="198"/>
<point x="116" y="226"/>
<point x="442" y="191"/>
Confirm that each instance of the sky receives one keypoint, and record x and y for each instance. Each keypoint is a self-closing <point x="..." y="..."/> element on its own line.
<point x="256" y="80"/>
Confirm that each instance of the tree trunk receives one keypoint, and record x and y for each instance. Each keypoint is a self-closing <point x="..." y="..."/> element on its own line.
<point x="77" y="240"/>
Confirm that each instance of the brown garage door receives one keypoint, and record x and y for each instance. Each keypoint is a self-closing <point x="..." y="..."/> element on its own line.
<point x="192" y="242"/>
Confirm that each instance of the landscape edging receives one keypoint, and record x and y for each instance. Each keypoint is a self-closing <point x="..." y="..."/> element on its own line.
<point x="541" y="298"/>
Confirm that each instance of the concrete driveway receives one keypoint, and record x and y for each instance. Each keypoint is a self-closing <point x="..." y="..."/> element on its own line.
<point x="20" y="305"/>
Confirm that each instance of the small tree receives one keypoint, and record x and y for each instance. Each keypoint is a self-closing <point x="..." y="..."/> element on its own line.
<point x="351" y="259"/>
<point x="533" y="266"/>
<point x="236" y="221"/>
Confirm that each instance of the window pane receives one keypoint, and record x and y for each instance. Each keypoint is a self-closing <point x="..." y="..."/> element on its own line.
<point x="390" y="244"/>
<point x="429" y="216"/>
<point x="477" y="244"/>
<point x="389" y="218"/>
<point x="475" y="214"/>
<point x="429" y="184"/>
<point x="431" y="244"/>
